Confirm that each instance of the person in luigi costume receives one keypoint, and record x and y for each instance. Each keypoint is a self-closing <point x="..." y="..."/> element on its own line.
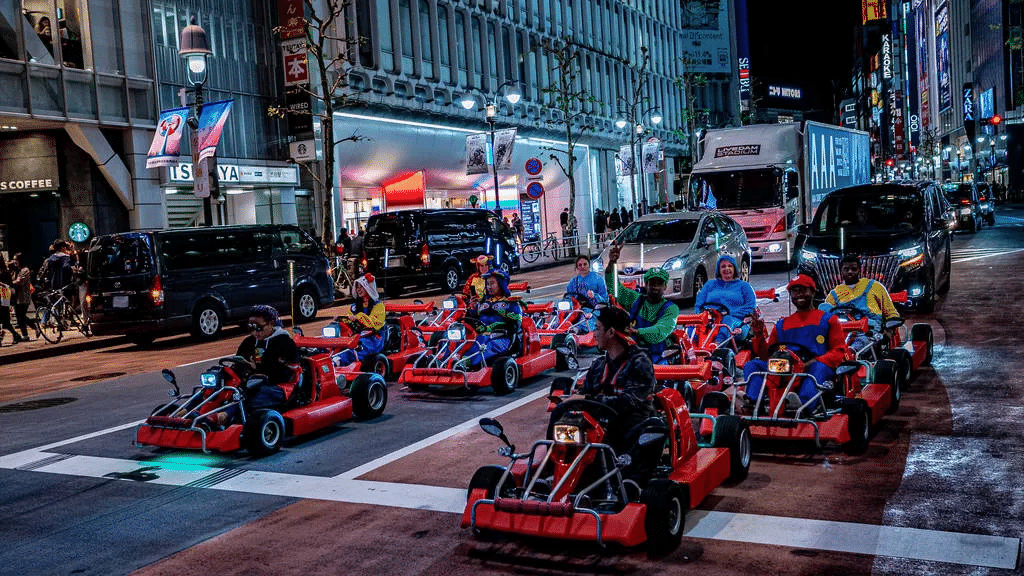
<point x="652" y="317"/>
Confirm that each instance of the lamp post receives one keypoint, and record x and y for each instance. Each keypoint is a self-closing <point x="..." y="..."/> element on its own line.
<point x="636" y="136"/>
<point x="195" y="50"/>
<point x="513" y="96"/>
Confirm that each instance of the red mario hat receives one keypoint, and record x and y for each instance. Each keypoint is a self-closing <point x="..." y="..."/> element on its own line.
<point x="802" y="280"/>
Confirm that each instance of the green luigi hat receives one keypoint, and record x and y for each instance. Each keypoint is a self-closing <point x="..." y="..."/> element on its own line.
<point x="656" y="272"/>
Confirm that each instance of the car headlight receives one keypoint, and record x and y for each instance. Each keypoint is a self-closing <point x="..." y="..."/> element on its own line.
<point x="568" y="434"/>
<point x="808" y="256"/>
<point x="565" y="305"/>
<point x="208" y="379"/>
<point x="676" y="263"/>
<point x="597" y="265"/>
<point x="456" y="332"/>
<point x="330" y="331"/>
<point x="449" y="303"/>
<point x="778" y="365"/>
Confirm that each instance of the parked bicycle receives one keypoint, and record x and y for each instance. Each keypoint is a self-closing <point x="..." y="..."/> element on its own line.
<point x="58" y="314"/>
<point x="343" y="272"/>
<point x="549" y="246"/>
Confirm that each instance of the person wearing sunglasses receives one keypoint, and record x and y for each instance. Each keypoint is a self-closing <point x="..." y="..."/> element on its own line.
<point x="271" y="351"/>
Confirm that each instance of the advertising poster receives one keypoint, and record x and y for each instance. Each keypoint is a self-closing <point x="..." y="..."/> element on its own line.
<point x="922" y="63"/>
<point x="530" y="213"/>
<point x="942" y="56"/>
<point x="476" y="154"/>
<point x="626" y="160"/>
<point x="650" y="155"/>
<point x="504" y="141"/>
<point x="166" y="146"/>
<point x="211" y="125"/>
<point x="704" y="46"/>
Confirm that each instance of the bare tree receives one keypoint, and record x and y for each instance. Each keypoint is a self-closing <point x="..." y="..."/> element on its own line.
<point x="693" y="117"/>
<point x="329" y="48"/>
<point x="571" y="100"/>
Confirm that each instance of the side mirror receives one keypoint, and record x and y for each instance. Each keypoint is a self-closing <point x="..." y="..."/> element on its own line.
<point x="493" y="427"/>
<point x="804" y="229"/>
<point x="169" y="376"/>
<point x="709" y="240"/>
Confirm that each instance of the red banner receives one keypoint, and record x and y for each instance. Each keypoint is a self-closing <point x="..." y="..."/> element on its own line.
<point x="291" y="17"/>
<point x="872" y="10"/>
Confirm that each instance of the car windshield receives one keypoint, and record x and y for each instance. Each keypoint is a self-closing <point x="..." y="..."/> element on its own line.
<point x="883" y="210"/>
<point x="743" y="189"/>
<point x="956" y="192"/>
<point x="677" y="231"/>
<point x="120" y="256"/>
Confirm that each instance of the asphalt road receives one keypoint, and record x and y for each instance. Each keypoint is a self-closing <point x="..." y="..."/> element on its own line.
<point x="938" y="491"/>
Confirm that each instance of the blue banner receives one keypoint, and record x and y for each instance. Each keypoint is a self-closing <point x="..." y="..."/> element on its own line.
<point x="211" y="125"/>
<point x="942" y="57"/>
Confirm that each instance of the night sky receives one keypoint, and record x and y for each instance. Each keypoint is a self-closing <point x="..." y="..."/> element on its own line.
<point x="805" y="42"/>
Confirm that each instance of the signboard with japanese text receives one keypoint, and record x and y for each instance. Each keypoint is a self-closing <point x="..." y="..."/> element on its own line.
<point x="872" y="10"/>
<point x="942" y="57"/>
<point x="291" y="19"/>
<point x="296" y="66"/>
<point x="239" y="174"/>
<point x="530" y="214"/>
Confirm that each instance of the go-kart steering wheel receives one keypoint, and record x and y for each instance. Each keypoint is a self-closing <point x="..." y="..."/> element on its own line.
<point x="601" y="412"/>
<point x="721" y="308"/>
<point x="582" y="299"/>
<point x="798" y="350"/>
<point x="848" y="311"/>
<point x="232" y="361"/>
<point x="475" y="323"/>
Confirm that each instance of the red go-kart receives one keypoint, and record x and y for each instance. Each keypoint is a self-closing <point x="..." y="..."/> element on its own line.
<point x="567" y="324"/>
<point x="455" y="360"/>
<point x="573" y="486"/>
<point x="315" y="398"/>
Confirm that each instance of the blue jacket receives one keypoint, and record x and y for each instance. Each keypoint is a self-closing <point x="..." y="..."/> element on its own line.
<point x="592" y="281"/>
<point x="736" y="295"/>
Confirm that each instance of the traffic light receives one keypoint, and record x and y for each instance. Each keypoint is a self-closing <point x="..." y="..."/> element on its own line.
<point x="890" y="162"/>
<point x="995" y="119"/>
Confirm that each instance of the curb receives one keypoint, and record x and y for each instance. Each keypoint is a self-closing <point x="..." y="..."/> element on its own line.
<point x="51" y="350"/>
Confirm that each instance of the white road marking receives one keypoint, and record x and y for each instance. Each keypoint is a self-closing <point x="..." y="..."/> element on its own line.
<point x="989" y="255"/>
<point x="848" y="537"/>
<point x="214" y="359"/>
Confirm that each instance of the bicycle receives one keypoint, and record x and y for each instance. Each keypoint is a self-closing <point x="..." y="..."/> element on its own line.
<point x="59" y="314"/>
<point x="534" y="250"/>
<point x="341" y="273"/>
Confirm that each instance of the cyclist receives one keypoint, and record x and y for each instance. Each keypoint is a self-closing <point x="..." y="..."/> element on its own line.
<point x="728" y="290"/>
<point x="474" y="288"/>
<point x="368" y="318"/>
<point x="58" y="270"/>
<point x="652" y="316"/>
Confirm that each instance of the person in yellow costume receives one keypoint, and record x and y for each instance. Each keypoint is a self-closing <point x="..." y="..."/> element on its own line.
<point x="868" y="296"/>
<point x="475" y="287"/>
<point x="367" y="318"/>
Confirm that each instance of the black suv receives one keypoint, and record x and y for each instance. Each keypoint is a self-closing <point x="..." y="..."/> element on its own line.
<point x="966" y="205"/>
<point x="900" y="230"/>
<point x="434" y="246"/>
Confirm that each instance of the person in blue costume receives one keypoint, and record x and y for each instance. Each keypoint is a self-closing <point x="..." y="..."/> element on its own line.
<point x="367" y="318"/>
<point x="588" y="288"/>
<point x="729" y="290"/>
<point x="500" y="316"/>
<point x="818" y="337"/>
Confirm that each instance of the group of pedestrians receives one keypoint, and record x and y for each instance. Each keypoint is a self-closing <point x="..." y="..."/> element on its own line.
<point x="19" y="288"/>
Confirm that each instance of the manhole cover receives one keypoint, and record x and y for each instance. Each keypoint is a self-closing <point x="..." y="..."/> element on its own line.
<point x="105" y="376"/>
<point x="36" y="404"/>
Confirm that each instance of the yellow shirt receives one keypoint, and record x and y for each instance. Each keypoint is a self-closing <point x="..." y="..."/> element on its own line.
<point x="374" y="320"/>
<point x="879" y="303"/>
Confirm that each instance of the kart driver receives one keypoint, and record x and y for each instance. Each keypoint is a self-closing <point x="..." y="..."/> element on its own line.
<point x="729" y="290"/>
<point x="500" y="314"/>
<point x="587" y="287"/>
<point x="866" y="295"/>
<point x="367" y="318"/>
<point x="475" y="288"/>
<point x="652" y="317"/>
<point x="817" y="331"/>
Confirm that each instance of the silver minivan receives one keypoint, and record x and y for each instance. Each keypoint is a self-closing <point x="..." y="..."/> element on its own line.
<point x="686" y="244"/>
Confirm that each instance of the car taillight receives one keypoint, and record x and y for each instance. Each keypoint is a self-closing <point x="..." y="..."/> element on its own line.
<point x="780" y="226"/>
<point x="965" y="202"/>
<point x="363" y="261"/>
<point x="425" y="255"/>
<point x="982" y="199"/>
<point x="156" y="291"/>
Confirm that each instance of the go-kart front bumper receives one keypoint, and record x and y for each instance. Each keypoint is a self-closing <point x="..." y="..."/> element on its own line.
<point x="446" y="377"/>
<point x="166" y="433"/>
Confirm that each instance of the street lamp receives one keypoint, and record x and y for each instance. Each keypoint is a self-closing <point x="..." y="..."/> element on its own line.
<point x="195" y="50"/>
<point x="513" y="96"/>
<point x="654" y="115"/>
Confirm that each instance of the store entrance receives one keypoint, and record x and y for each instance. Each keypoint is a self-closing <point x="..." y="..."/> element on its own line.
<point x="31" y="223"/>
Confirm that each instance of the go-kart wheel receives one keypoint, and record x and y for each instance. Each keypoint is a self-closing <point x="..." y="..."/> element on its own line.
<point x="728" y="359"/>
<point x="667" y="504"/>
<point x="377" y="364"/>
<point x="923" y="333"/>
<point x="505" y="376"/>
<point x="264" y="433"/>
<point x="733" y="433"/>
<point x="369" y="395"/>
<point x="887" y="371"/>
<point x="859" y="424"/>
<point x="566" y="341"/>
<point x="485" y="477"/>
<point x="565" y="361"/>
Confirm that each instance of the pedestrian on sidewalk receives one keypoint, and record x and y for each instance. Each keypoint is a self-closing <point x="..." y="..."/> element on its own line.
<point x="6" y="291"/>
<point x="22" y="277"/>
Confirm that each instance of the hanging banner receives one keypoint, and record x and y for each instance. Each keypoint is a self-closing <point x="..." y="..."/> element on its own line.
<point x="476" y="154"/>
<point x="626" y="160"/>
<point x="166" y="146"/>
<point x="504" y="141"/>
<point x="211" y="124"/>
<point x="942" y="57"/>
<point x="650" y="155"/>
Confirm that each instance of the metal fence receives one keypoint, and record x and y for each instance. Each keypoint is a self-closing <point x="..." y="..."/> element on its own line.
<point x="556" y="249"/>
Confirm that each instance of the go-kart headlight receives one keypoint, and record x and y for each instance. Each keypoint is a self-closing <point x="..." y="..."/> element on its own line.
<point x="778" y="365"/>
<point x="564" y="305"/>
<point x="456" y="332"/>
<point x="449" y="303"/>
<point x="568" y="434"/>
<point x="676" y="263"/>
<point x="331" y="331"/>
<point x="208" y="379"/>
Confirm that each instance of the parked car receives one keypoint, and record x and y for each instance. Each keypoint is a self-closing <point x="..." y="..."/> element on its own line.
<point x="145" y="284"/>
<point x="900" y="230"/>
<point x="434" y="246"/>
<point x="987" y="202"/>
<point x="686" y="244"/>
<point x="965" y="200"/>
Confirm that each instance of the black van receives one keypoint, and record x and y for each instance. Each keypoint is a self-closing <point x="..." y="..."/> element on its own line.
<point x="900" y="230"/>
<point x="144" y="284"/>
<point x="434" y="246"/>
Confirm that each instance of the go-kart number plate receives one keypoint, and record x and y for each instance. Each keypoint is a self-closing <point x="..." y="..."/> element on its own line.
<point x="120" y="302"/>
<point x="396" y="261"/>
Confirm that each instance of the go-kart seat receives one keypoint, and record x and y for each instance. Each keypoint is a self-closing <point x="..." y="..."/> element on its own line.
<point x="296" y="391"/>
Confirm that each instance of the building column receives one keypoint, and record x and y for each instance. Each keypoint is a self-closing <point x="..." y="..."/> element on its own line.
<point x="150" y="210"/>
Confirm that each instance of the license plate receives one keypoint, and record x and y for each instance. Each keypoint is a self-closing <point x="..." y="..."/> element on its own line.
<point x="394" y="262"/>
<point x="625" y="279"/>
<point x="120" y="302"/>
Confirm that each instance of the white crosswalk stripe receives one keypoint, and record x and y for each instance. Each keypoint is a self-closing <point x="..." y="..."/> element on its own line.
<point x="969" y="254"/>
